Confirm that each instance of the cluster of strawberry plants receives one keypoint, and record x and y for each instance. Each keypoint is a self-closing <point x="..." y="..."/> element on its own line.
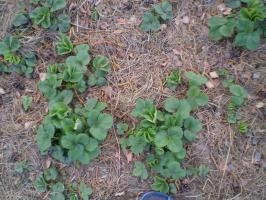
<point x="50" y="181"/>
<point x="47" y="14"/>
<point x="239" y="95"/>
<point x="162" y="134"/>
<point x="247" y="25"/>
<point x="72" y="133"/>
<point x="158" y="14"/>
<point x="15" y="59"/>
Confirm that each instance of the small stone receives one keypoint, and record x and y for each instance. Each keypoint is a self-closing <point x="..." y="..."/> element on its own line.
<point x="256" y="75"/>
<point x="260" y="105"/>
<point x="2" y="91"/>
<point x="214" y="74"/>
<point x="257" y="158"/>
<point x="254" y="141"/>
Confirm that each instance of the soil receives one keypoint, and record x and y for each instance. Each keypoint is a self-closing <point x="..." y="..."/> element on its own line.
<point x="140" y="63"/>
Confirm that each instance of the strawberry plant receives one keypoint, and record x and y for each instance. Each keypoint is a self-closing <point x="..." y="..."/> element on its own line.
<point x="237" y="100"/>
<point x="48" y="14"/>
<point x="246" y="26"/>
<point x="173" y="80"/>
<point x="14" y="59"/>
<point x="50" y="181"/>
<point x="64" y="45"/>
<point x="161" y="135"/>
<point x="153" y="18"/>
<point x="74" y="135"/>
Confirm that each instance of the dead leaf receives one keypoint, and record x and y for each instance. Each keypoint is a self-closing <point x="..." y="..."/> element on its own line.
<point x="108" y="91"/>
<point x="2" y="91"/>
<point x="210" y="84"/>
<point x="119" y="194"/>
<point x="185" y="20"/>
<point x="129" y="156"/>
<point x="43" y="76"/>
<point x="47" y="163"/>
<point x="214" y="74"/>
<point x="260" y="105"/>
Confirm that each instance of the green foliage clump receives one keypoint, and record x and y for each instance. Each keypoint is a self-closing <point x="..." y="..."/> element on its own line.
<point x="162" y="133"/>
<point x="246" y="26"/>
<point x="173" y="79"/>
<point x="64" y="45"/>
<point x="14" y="59"/>
<point x="73" y="133"/>
<point x="50" y="181"/>
<point x="47" y="14"/>
<point x="153" y="18"/>
<point x="237" y="100"/>
<point x="26" y="102"/>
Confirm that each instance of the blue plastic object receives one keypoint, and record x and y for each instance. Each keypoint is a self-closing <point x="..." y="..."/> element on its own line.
<point x="155" y="196"/>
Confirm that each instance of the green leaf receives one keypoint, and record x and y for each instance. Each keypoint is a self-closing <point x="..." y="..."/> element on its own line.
<point x="140" y="170"/>
<point x="84" y="191"/>
<point x="174" y="105"/>
<point x="40" y="184"/>
<point x="249" y="40"/>
<point x="48" y="86"/>
<point x="9" y="45"/>
<point x="45" y="133"/>
<point x="164" y="10"/>
<point x="244" y="25"/>
<point x="101" y="63"/>
<point x="146" y="110"/>
<point x="19" y="20"/>
<point x="50" y="174"/>
<point x="99" y="124"/>
<point x="136" y="144"/>
<point x="59" y="110"/>
<point x="196" y="79"/>
<point x="81" y="48"/>
<point x="196" y="97"/>
<point x="170" y="138"/>
<point x="64" y="45"/>
<point x="150" y="22"/>
<point x="41" y="16"/>
<point x="65" y="97"/>
<point x="26" y="102"/>
<point x="203" y="170"/>
<point x="95" y="14"/>
<point x="73" y="73"/>
<point x="238" y="91"/>
<point x="121" y="128"/>
<point x="232" y="3"/>
<point x="192" y="124"/>
<point x="173" y="79"/>
<point x="57" y="191"/>
<point x="21" y="166"/>
<point x="63" y="23"/>
<point x="57" y="4"/>
<point x="160" y="185"/>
